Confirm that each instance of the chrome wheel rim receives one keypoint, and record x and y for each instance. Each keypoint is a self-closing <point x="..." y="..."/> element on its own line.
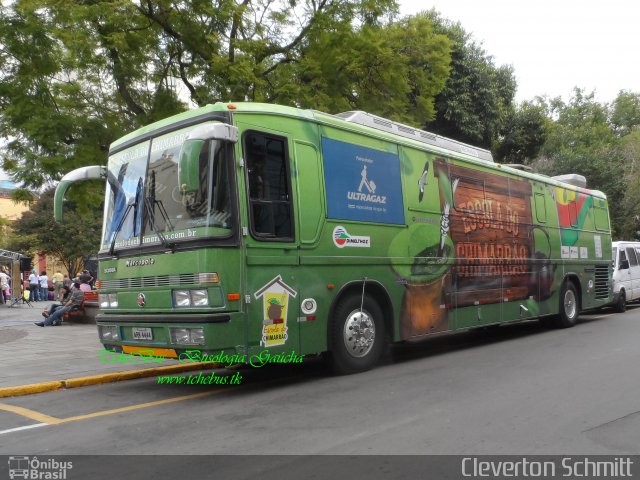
<point x="359" y="333"/>
<point x="570" y="306"/>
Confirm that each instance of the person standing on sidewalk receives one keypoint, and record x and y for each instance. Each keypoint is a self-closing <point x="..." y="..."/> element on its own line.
<point x="58" y="280"/>
<point x="44" y="286"/>
<point x="74" y="302"/>
<point x="34" y="287"/>
<point x="4" y="285"/>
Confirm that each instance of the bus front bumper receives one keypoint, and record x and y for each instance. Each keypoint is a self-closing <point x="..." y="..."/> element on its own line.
<point x="170" y="335"/>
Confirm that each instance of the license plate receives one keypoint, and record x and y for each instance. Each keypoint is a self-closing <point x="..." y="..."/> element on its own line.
<point x="142" y="333"/>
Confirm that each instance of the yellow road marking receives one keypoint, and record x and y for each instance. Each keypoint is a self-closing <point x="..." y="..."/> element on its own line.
<point x="138" y="406"/>
<point x="31" y="414"/>
<point x="43" y="418"/>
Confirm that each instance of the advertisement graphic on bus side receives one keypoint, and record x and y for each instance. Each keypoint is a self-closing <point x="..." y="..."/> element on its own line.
<point x="341" y="239"/>
<point x="363" y="184"/>
<point x="275" y="302"/>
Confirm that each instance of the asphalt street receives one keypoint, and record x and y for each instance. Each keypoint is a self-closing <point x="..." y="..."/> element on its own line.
<point x="518" y="389"/>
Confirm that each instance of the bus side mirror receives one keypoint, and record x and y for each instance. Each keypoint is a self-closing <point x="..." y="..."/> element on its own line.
<point x="189" y="166"/>
<point x="189" y="163"/>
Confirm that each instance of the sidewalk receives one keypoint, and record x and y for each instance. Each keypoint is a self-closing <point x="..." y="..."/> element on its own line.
<point x="30" y="354"/>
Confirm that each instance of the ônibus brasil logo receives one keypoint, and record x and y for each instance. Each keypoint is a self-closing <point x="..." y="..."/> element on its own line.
<point x="341" y="239"/>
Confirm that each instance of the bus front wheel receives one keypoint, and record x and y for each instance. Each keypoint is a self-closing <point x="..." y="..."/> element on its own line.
<point x="357" y="335"/>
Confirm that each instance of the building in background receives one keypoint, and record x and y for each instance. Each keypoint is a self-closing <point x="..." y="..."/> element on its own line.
<point x="9" y="208"/>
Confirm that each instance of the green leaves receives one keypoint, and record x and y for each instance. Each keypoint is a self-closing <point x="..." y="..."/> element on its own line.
<point x="71" y="241"/>
<point x="478" y="95"/>
<point x="522" y="133"/>
<point x="593" y="139"/>
<point x="393" y="71"/>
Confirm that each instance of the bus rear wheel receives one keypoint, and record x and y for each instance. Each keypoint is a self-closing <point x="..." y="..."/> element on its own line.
<point x="357" y="335"/>
<point x="569" y="306"/>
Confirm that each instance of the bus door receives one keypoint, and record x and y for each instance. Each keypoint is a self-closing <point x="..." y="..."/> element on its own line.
<point x="270" y="242"/>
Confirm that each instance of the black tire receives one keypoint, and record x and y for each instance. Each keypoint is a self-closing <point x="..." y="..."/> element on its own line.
<point x="621" y="304"/>
<point x="356" y="351"/>
<point x="569" y="306"/>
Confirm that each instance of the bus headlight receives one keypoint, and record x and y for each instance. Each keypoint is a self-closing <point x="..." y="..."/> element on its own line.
<point x="181" y="298"/>
<point x="180" y="335"/>
<point x="108" y="300"/>
<point x="103" y="298"/>
<point x="190" y="298"/>
<point x="199" y="298"/>
<point x="187" y="336"/>
<point x="197" y="336"/>
<point x="109" y="332"/>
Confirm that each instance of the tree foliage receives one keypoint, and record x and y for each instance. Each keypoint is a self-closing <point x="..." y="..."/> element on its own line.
<point x="478" y="96"/>
<point x="522" y="134"/>
<point x="73" y="241"/>
<point x="592" y="139"/>
<point x="394" y="71"/>
<point x="78" y="75"/>
<point x="5" y="225"/>
<point x="625" y="115"/>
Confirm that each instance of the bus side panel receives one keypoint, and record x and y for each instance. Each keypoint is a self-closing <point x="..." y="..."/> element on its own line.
<point x="365" y="211"/>
<point x="420" y="259"/>
<point x="584" y="250"/>
<point x="314" y="294"/>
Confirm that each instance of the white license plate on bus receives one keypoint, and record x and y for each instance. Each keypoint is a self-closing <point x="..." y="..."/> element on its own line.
<point x="142" y="333"/>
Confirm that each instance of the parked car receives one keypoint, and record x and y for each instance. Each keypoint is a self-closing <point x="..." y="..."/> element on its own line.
<point x="626" y="273"/>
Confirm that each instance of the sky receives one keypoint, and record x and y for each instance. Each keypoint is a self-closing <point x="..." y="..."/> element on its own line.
<point x="553" y="45"/>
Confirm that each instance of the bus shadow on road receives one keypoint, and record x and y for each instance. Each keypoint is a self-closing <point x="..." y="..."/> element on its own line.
<point x="476" y="338"/>
<point x="314" y="368"/>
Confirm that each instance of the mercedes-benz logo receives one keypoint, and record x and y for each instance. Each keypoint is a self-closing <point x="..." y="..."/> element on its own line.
<point x="141" y="300"/>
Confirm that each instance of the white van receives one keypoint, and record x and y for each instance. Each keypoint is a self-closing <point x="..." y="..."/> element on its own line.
<point x="626" y="273"/>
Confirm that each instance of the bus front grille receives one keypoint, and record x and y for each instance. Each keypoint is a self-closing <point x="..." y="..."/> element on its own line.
<point x="158" y="281"/>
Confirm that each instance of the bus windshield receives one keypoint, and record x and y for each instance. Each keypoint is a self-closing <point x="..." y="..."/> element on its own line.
<point x="145" y="203"/>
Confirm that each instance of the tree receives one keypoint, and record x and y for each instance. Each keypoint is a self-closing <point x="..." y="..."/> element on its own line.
<point x="78" y="75"/>
<point x="522" y="134"/>
<point x="630" y="206"/>
<point x="478" y="96"/>
<point x="581" y="140"/>
<point x="73" y="241"/>
<point x="394" y="70"/>
<point x="625" y="116"/>
<point x="4" y="231"/>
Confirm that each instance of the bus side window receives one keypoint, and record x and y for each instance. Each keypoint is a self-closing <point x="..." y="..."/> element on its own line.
<point x="269" y="187"/>
<point x="631" y="255"/>
<point x="601" y="216"/>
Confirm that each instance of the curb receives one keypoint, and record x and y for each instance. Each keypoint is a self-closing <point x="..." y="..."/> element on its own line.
<point x="41" y="387"/>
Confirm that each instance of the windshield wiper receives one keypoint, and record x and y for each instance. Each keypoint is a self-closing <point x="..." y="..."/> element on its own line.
<point x="119" y="227"/>
<point x="149" y="203"/>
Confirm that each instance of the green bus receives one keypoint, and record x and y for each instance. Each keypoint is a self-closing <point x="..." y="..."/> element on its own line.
<point x="246" y="227"/>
